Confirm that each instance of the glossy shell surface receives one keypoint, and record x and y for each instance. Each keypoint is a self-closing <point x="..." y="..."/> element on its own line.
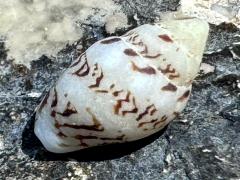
<point x="123" y="88"/>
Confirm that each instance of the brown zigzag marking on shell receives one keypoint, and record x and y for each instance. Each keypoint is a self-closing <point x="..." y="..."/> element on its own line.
<point x="53" y="114"/>
<point x="55" y="98"/>
<point x="166" y="38"/>
<point x="118" y="138"/>
<point x="95" y="127"/>
<point x="101" y="91"/>
<point x="167" y="69"/>
<point x="171" y="76"/>
<point x="116" y="93"/>
<point x="69" y="110"/>
<point x="146" y="55"/>
<point x="61" y="134"/>
<point x="132" y="36"/>
<point x="170" y="87"/>
<point x="83" y="55"/>
<point x="171" y="71"/>
<point x="85" y="137"/>
<point x="44" y="102"/>
<point x="128" y="99"/>
<point x="138" y="42"/>
<point x="152" y="56"/>
<point x="84" y="69"/>
<point x="112" y="86"/>
<point x="98" y="79"/>
<point x="130" y="52"/>
<point x="147" y="111"/>
<point x="85" y="127"/>
<point x="135" y="37"/>
<point x="153" y="111"/>
<point x="184" y="96"/>
<point x="141" y="45"/>
<point x="89" y="137"/>
<point x="57" y="124"/>
<point x="110" y="41"/>
<point x="146" y="70"/>
<point x="81" y="138"/>
<point x="147" y="122"/>
<point x="95" y="67"/>
<point x="119" y="103"/>
<point x="162" y="120"/>
<point x="134" y="110"/>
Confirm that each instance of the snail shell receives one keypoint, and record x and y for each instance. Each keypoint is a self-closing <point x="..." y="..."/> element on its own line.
<point x="123" y="88"/>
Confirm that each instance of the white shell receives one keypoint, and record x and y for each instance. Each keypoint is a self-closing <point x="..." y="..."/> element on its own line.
<point x="123" y="88"/>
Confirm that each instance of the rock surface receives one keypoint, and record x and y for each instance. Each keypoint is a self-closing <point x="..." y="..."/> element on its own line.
<point x="203" y="143"/>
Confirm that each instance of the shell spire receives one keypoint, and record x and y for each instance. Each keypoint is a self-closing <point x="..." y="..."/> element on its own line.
<point x="192" y="35"/>
<point x="123" y="88"/>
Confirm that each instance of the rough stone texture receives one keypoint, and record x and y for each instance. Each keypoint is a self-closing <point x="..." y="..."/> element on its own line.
<point x="203" y="143"/>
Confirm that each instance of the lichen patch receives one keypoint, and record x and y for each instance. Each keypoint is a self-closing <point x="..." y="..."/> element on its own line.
<point x="33" y="28"/>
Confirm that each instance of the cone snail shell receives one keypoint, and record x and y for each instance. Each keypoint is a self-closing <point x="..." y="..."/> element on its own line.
<point x="123" y="88"/>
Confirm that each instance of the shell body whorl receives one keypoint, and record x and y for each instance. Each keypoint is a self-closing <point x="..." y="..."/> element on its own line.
<point x="123" y="88"/>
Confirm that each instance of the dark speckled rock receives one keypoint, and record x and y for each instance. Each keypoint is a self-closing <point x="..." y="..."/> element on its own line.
<point x="203" y="143"/>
